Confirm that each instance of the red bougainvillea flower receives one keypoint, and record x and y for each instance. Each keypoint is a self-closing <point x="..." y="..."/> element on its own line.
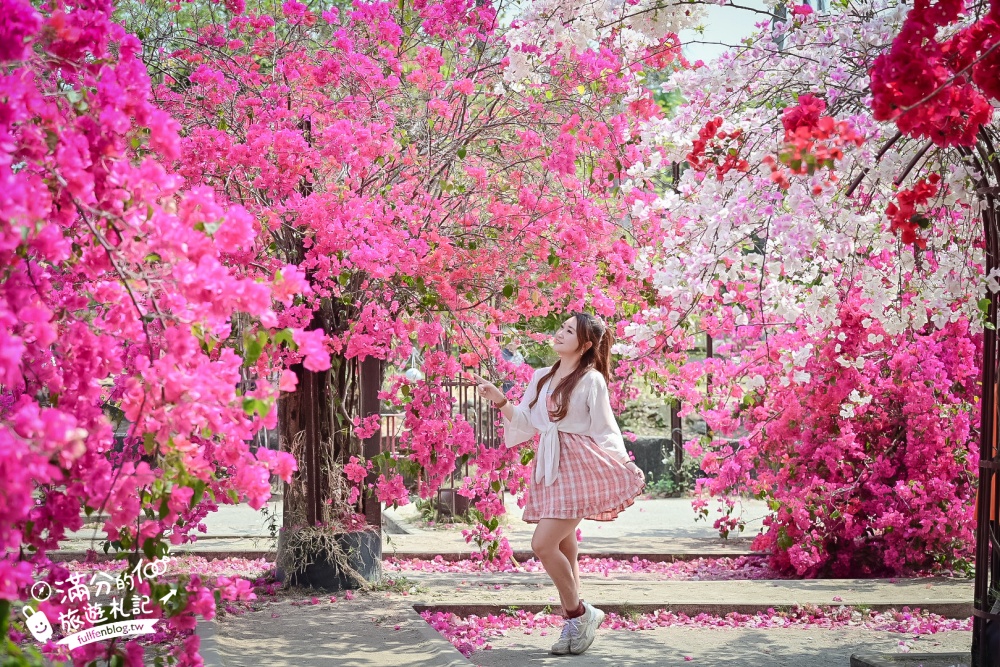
<point x="924" y="85"/>
<point x="904" y="218"/>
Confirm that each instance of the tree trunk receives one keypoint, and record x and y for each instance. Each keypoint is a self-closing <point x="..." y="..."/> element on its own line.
<point x="314" y="425"/>
<point x="307" y="429"/>
<point x="304" y="418"/>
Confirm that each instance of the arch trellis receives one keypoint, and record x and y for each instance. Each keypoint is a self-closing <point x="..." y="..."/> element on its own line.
<point x="986" y="619"/>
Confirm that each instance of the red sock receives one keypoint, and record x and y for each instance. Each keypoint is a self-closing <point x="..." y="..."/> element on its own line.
<point x="580" y="611"/>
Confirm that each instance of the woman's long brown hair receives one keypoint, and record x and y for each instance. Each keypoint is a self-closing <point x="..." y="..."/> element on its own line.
<point x="589" y="329"/>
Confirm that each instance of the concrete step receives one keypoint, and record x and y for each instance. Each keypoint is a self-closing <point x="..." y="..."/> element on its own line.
<point x="492" y="592"/>
<point x="911" y="659"/>
<point x="682" y="646"/>
<point x="429" y="545"/>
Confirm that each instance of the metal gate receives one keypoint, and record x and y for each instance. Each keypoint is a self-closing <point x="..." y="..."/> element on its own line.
<point x="478" y="412"/>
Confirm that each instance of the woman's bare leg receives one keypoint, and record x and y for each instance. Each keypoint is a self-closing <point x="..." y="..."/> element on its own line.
<point x="546" y="544"/>
<point x="569" y="548"/>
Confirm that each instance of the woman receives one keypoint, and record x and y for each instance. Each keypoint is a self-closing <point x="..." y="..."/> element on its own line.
<point x="582" y="470"/>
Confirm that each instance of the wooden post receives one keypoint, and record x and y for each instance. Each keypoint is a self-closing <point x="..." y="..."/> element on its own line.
<point x="987" y="499"/>
<point x="676" y="439"/>
<point x="371" y="383"/>
<point x="303" y="430"/>
<point x="709" y="352"/>
<point x="311" y="397"/>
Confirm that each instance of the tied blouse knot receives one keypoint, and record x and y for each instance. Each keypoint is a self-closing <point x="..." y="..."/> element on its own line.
<point x="589" y="413"/>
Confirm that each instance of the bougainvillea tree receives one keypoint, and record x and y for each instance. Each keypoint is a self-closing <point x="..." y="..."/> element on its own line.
<point x="839" y="263"/>
<point x="421" y="187"/>
<point x="115" y="301"/>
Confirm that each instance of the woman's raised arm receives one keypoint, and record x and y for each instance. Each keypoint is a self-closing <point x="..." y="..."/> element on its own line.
<point x="517" y="427"/>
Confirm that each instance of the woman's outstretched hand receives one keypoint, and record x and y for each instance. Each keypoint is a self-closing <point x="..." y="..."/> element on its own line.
<point x="488" y="390"/>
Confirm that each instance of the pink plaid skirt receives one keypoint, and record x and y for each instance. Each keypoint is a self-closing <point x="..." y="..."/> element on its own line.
<point x="591" y="484"/>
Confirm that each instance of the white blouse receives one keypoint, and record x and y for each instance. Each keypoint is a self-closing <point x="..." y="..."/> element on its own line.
<point x="589" y="413"/>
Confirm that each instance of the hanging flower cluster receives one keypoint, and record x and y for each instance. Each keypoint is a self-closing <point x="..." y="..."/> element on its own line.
<point x="904" y="216"/>
<point x="940" y="89"/>
<point x="812" y="142"/>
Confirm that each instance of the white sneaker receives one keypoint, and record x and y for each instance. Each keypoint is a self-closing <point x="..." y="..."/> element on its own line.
<point x="570" y="631"/>
<point x="588" y="624"/>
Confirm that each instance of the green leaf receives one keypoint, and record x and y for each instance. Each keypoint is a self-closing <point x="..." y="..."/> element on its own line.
<point x="784" y="541"/>
<point x="149" y="443"/>
<point x="254" y="348"/>
<point x="253" y="406"/>
<point x="462" y="153"/>
<point x="286" y="337"/>
<point x="149" y="548"/>
<point x="199" y="491"/>
<point x="508" y="290"/>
